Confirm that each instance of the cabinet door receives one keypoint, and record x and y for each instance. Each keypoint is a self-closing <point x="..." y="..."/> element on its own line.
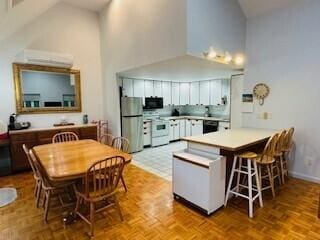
<point x="184" y="93"/>
<point x="127" y="87"/>
<point x="176" y="94"/>
<point x="19" y="159"/>
<point x="225" y="89"/>
<point x="157" y="89"/>
<point x="146" y="138"/>
<point x="148" y="88"/>
<point x="166" y="93"/>
<point x="223" y="126"/>
<point x="182" y="124"/>
<point x="138" y="89"/>
<point x="196" y="127"/>
<point x="171" y="132"/>
<point x="188" y="127"/>
<point x="194" y="93"/>
<point x="176" y="130"/>
<point x="215" y="92"/>
<point x="204" y="93"/>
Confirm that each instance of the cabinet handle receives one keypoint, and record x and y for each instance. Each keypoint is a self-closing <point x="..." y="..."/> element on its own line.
<point x="145" y="128"/>
<point x="145" y="133"/>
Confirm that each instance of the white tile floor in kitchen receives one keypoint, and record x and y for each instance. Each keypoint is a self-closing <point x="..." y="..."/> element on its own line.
<point x="158" y="160"/>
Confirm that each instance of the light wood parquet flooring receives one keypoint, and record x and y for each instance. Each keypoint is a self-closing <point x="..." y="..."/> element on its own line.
<point x="151" y="213"/>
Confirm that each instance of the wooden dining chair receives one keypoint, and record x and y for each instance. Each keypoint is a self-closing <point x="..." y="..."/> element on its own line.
<point x="65" y="137"/>
<point x="121" y="143"/>
<point x="107" y="139"/>
<point x="36" y="176"/>
<point x="287" y="148"/>
<point x="279" y="155"/>
<point x="51" y="189"/>
<point x="100" y="186"/>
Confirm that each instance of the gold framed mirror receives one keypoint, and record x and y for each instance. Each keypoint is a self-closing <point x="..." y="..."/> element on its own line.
<point x="46" y="89"/>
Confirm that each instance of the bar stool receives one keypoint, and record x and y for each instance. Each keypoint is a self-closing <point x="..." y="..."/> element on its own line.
<point x="279" y="157"/>
<point x="249" y="171"/>
<point x="287" y="148"/>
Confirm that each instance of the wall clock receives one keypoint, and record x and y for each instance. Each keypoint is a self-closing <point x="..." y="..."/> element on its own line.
<point x="261" y="91"/>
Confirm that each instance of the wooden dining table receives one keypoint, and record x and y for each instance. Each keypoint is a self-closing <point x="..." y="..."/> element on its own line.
<point x="71" y="160"/>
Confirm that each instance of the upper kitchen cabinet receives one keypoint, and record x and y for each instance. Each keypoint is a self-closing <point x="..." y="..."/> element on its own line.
<point x="215" y="92"/>
<point x="148" y="88"/>
<point x="204" y="93"/>
<point x="225" y="89"/>
<point x="138" y="88"/>
<point x="194" y="93"/>
<point x="127" y="87"/>
<point x="184" y="93"/>
<point x="166" y="93"/>
<point x="175" y="93"/>
<point x="157" y="89"/>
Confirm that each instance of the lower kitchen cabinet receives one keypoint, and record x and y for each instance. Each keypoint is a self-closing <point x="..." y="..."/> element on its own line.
<point x="196" y="127"/>
<point x="174" y="130"/>
<point x="182" y="124"/>
<point x="147" y="133"/>
<point x="224" y="126"/>
<point x="188" y="127"/>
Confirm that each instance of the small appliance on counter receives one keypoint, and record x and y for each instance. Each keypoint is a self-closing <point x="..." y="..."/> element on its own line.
<point x="14" y="125"/>
<point x="206" y="114"/>
<point x="175" y="113"/>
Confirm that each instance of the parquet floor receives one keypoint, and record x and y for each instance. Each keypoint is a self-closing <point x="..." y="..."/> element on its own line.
<point x="151" y="213"/>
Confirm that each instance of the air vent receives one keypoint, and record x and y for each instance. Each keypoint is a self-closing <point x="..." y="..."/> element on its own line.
<point x="13" y="3"/>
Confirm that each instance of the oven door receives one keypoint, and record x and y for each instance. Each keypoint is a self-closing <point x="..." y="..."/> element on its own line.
<point x="160" y="129"/>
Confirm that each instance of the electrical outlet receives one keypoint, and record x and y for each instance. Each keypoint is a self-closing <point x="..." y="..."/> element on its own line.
<point x="309" y="161"/>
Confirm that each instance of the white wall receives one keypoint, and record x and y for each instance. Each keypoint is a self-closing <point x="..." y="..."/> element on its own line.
<point x="63" y="29"/>
<point x="283" y="51"/>
<point x="136" y="33"/>
<point x="216" y="23"/>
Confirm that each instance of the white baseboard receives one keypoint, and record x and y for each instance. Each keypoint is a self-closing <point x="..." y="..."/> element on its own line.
<point x="305" y="177"/>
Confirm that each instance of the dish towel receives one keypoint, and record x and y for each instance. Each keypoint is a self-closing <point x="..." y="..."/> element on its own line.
<point x="7" y="196"/>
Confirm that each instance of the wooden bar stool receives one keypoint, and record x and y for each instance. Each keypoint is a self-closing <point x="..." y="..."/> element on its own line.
<point x="279" y="157"/>
<point x="287" y="148"/>
<point x="249" y="171"/>
<point x="266" y="161"/>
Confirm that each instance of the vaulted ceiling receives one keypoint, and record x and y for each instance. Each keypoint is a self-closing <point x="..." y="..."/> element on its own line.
<point x="253" y="8"/>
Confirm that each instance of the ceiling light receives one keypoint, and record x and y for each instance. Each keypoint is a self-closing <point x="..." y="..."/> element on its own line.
<point x="227" y="57"/>
<point x="239" y="60"/>
<point x="212" y="53"/>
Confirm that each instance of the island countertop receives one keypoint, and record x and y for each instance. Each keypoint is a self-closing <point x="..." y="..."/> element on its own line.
<point x="233" y="139"/>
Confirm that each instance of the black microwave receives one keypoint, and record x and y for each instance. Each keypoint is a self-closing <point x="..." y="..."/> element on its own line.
<point x="153" y="103"/>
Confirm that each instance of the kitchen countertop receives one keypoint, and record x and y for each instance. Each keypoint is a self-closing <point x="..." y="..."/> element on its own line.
<point x="195" y="118"/>
<point x="51" y="128"/>
<point x="233" y="139"/>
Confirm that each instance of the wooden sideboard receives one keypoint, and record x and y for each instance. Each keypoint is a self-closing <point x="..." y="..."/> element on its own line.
<point x="34" y="137"/>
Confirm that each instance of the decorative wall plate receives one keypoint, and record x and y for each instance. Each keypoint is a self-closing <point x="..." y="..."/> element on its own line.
<point x="261" y="91"/>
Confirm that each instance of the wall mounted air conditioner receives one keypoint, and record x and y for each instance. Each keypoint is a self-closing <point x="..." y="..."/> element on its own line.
<point x="47" y="58"/>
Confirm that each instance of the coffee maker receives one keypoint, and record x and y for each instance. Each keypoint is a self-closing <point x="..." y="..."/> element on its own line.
<point x="14" y="125"/>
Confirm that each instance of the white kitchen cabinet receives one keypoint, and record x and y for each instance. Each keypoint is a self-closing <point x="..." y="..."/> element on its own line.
<point x="157" y="89"/>
<point x="166" y="93"/>
<point x="188" y="127"/>
<point x="225" y="89"/>
<point x="127" y="87"/>
<point x="215" y="92"/>
<point x="184" y="93"/>
<point x="148" y="88"/>
<point x="204" y="93"/>
<point x="174" y="130"/>
<point x="138" y="88"/>
<point x="196" y="127"/>
<point x="194" y="93"/>
<point x="175" y="93"/>
<point x="182" y="123"/>
<point x="147" y="133"/>
<point x="224" y="126"/>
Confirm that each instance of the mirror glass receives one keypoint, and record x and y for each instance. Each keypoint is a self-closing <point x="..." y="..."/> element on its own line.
<point x="46" y="89"/>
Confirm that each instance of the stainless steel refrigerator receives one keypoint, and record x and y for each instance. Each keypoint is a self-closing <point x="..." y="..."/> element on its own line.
<point x="132" y="122"/>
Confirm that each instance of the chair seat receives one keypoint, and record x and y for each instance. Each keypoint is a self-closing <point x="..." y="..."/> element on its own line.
<point x="247" y="155"/>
